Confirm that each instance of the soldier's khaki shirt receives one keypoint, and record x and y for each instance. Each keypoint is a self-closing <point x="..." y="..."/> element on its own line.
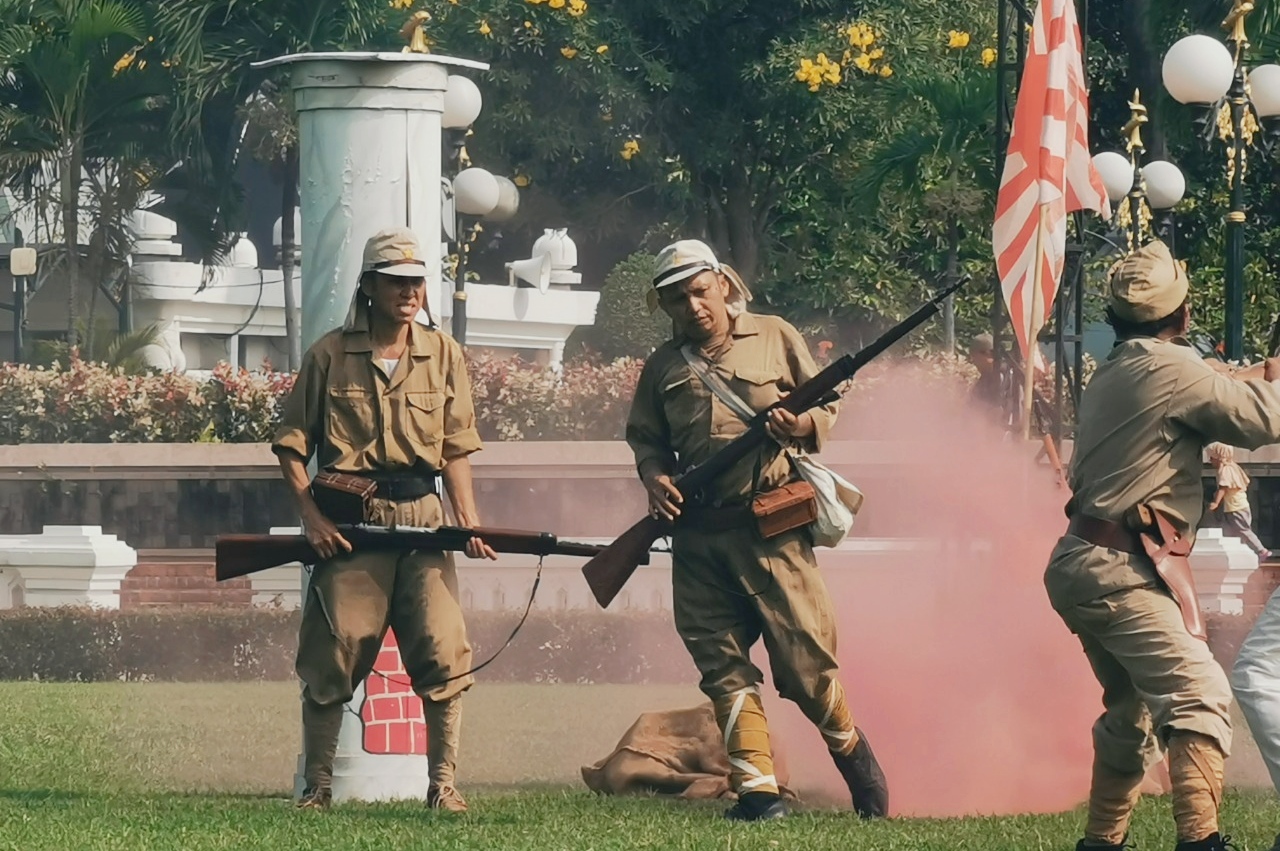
<point x="1144" y="421"/>
<point x="677" y="422"/>
<point x="356" y="418"/>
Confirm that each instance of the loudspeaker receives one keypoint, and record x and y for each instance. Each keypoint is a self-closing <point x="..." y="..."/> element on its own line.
<point x="535" y="270"/>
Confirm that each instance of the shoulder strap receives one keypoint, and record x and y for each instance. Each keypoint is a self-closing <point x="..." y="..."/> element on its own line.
<point x="716" y="384"/>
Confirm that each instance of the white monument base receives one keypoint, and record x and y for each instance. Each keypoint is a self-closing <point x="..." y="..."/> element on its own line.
<point x="66" y="566"/>
<point x="1221" y="565"/>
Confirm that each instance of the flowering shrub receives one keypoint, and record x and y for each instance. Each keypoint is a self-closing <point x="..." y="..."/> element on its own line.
<point x="584" y="400"/>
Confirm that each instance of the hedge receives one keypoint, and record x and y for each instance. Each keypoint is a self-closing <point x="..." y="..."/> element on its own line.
<point x="74" y="644"/>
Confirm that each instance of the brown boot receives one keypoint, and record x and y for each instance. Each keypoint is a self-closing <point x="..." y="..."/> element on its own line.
<point x="315" y="799"/>
<point x="445" y="798"/>
<point x="444" y="727"/>
<point x="865" y="779"/>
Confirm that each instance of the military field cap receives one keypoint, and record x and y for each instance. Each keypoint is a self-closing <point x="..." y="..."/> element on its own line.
<point x="685" y="258"/>
<point x="1148" y="284"/>
<point x="394" y="251"/>
<point x="982" y="343"/>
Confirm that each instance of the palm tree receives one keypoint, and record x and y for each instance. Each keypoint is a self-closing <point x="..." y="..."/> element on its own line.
<point x="214" y="43"/>
<point x="77" y="102"/>
<point x="942" y="159"/>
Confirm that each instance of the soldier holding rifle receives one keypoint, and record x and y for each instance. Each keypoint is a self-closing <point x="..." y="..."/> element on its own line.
<point x="1119" y="577"/>
<point x="387" y="398"/>
<point x="732" y="584"/>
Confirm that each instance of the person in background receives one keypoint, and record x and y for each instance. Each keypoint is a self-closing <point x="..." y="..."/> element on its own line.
<point x="1232" y="497"/>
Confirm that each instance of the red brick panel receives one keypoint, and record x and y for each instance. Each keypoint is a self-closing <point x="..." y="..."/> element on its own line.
<point x="180" y="580"/>
<point x="392" y="713"/>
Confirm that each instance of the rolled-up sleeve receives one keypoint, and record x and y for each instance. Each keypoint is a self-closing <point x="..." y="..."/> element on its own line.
<point x="461" y="437"/>
<point x="302" y="420"/>
<point x="647" y="432"/>
<point x="1224" y="409"/>
<point x="803" y="368"/>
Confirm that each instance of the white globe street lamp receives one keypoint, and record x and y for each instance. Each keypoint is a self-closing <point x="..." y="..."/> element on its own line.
<point x="476" y="192"/>
<point x="462" y="103"/>
<point x="508" y="201"/>
<point x="1116" y="172"/>
<point x="1165" y="184"/>
<point x="1264" y="90"/>
<point x="1198" y="69"/>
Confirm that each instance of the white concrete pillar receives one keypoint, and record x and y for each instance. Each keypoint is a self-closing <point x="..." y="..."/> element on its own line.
<point x="370" y="138"/>
<point x="1221" y="565"/>
<point x="66" y="566"/>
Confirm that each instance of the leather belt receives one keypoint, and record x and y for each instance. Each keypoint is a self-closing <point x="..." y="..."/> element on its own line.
<point x="722" y="519"/>
<point x="1105" y="533"/>
<point x="402" y="487"/>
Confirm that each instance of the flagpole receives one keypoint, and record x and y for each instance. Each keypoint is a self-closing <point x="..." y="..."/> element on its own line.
<point x="1034" y="321"/>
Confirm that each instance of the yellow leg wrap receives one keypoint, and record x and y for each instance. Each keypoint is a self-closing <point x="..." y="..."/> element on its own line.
<point x="746" y="737"/>
<point x="1112" y="797"/>
<point x="1195" y="770"/>
<point x="830" y="713"/>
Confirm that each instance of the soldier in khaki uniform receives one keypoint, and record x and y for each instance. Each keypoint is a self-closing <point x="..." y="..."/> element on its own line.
<point x="731" y="586"/>
<point x="387" y="398"/>
<point x="1145" y="418"/>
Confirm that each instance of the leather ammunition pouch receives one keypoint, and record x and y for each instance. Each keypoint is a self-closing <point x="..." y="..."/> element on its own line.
<point x="342" y="497"/>
<point x="1149" y="532"/>
<point x="783" y="509"/>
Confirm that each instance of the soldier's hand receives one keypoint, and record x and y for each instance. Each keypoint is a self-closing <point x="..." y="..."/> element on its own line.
<point x="323" y="536"/>
<point x="784" y="425"/>
<point x="664" y="496"/>
<point x="477" y="548"/>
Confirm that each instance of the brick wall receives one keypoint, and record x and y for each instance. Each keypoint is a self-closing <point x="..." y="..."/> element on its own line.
<point x="181" y="579"/>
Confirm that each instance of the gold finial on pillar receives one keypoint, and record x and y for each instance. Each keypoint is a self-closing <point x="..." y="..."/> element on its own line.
<point x="413" y="31"/>
<point x="1235" y="23"/>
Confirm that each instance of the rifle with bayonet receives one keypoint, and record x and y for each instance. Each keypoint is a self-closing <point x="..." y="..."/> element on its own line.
<point x="607" y="572"/>
<point x="240" y="555"/>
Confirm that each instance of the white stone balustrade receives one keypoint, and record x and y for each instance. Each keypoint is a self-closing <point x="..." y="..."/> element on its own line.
<point x="1221" y="565"/>
<point x="64" y="566"/>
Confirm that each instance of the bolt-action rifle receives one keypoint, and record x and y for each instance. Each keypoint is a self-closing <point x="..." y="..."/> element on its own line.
<point x="607" y="572"/>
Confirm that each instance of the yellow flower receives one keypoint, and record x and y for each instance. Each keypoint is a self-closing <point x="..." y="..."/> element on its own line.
<point x="535" y="2"/>
<point x="528" y="25"/>
<point x="957" y="39"/>
<point x="577" y="8"/>
<point x="989" y="57"/>
<point x="520" y="180"/>
<point x="568" y="52"/>
<point x="124" y="62"/>
<point x="602" y="49"/>
<point x="878" y="53"/>
<point x="556" y="4"/>
<point x="630" y="149"/>
<point x="484" y="28"/>
<point x="886" y="72"/>
<point x="863" y="62"/>
<point x="401" y="4"/>
<point x="860" y="35"/>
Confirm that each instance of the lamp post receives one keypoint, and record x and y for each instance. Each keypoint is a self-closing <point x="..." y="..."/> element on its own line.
<point x="1133" y="188"/>
<point x="1201" y="70"/>
<point x="475" y="192"/>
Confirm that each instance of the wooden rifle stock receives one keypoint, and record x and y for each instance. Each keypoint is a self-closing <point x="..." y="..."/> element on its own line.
<point x="607" y="572"/>
<point x="240" y="555"/>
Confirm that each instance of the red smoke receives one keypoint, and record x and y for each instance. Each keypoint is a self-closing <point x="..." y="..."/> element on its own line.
<point x="975" y="696"/>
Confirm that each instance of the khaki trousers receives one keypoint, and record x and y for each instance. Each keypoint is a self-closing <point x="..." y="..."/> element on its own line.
<point x="1157" y="679"/>
<point x="353" y="598"/>
<point x="731" y="589"/>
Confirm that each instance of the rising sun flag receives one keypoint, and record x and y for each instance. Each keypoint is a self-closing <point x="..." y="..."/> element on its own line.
<point x="1048" y="173"/>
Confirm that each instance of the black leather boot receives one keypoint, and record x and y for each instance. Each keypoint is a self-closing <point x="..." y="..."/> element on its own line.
<point x="1123" y="846"/>
<point x="1212" y="842"/>
<point x="758" y="806"/>
<point x="865" y="779"/>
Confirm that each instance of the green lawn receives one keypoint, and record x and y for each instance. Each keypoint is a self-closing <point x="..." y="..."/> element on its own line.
<point x="193" y="767"/>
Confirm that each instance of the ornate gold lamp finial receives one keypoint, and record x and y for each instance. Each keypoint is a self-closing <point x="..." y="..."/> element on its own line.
<point x="413" y="32"/>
